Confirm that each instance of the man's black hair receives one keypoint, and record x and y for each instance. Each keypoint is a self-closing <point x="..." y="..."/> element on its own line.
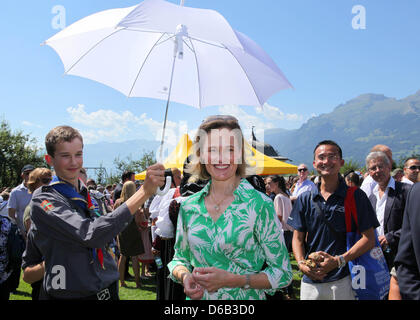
<point x="331" y="143"/>
<point x="408" y="159"/>
<point x="126" y="175"/>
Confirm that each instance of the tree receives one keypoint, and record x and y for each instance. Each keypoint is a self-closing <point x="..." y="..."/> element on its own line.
<point x="349" y="166"/>
<point x="16" y="150"/>
<point x="101" y="175"/>
<point x="402" y="159"/>
<point x="129" y="164"/>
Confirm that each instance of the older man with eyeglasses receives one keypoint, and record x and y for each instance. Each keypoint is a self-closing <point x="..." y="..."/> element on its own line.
<point x="411" y="170"/>
<point x="303" y="184"/>
<point x="368" y="183"/>
<point x="388" y="199"/>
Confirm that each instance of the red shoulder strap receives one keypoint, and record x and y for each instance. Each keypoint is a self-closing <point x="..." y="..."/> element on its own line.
<point x="177" y="193"/>
<point x="350" y="209"/>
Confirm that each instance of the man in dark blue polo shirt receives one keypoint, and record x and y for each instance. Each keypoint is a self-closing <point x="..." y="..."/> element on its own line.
<point x="324" y="231"/>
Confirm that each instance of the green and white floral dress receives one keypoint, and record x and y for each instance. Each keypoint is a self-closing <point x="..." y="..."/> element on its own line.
<point x="245" y="236"/>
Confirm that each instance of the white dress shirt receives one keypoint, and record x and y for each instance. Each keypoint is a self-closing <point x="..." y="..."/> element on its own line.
<point x="405" y="180"/>
<point x="381" y="203"/>
<point x="301" y="187"/>
<point x="368" y="185"/>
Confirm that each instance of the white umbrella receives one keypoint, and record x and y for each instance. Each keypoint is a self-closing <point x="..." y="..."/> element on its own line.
<point x="165" y="51"/>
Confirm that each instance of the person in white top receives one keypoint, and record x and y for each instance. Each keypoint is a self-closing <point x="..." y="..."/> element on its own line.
<point x="369" y="183"/>
<point x="283" y="208"/>
<point x="411" y="170"/>
<point x="4" y="198"/>
<point x="380" y="171"/>
<point x="303" y="183"/>
<point x="388" y="200"/>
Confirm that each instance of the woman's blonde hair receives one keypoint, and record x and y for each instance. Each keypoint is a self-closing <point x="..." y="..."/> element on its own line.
<point x="128" y="190"/>
<point x="196" y="168"/>
<point x="36" y="176"/>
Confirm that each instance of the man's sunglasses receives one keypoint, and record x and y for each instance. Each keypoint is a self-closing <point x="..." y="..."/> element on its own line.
<point x="302" y="169"/>
<point x="414" y="167"/>
<point x="46" y="180"/>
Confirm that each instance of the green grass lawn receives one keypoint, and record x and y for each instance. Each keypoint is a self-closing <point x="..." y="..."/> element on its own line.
<point x="148" y="289"/>
<point x="146" y="292"/>
<point x="297" y="276"/>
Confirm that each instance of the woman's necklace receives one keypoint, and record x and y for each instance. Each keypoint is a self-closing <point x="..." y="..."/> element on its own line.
<point x="216" y="206"/>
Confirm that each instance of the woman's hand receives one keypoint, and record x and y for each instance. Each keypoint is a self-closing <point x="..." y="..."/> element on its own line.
<point x="211" y="279"/>
<point x="191" y="288"/>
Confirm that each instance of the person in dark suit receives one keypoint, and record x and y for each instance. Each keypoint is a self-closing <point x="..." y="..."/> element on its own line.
<point x="407" y="261"/>
<point x="388" y="199"/>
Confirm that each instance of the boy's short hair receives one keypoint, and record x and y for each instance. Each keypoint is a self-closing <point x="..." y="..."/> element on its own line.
<point x="58" y="135"/>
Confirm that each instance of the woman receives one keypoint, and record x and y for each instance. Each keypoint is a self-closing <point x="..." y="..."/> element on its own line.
<point x="228" y="230"/>
<point x="130" y="240"/>
<point x="269" y="192"/>
<point x="283" y="207"/>
<point x="37" y="178"/>
<point x="147" y="257"/>
<point x="352" y="179"/>
<point x="34" y="274"/>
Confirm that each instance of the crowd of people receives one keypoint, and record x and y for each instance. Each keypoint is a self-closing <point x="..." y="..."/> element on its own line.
<point x="218" y="234"/>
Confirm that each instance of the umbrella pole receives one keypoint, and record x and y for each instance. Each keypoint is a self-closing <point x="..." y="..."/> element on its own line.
<point x="166" y="112"/>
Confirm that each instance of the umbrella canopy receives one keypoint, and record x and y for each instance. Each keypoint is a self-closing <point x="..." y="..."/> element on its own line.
<point x="259" y="163"/>
<point x="161" y="50"/>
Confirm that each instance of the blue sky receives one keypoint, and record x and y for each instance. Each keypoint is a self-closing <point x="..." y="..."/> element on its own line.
<point x="312" y="41"/>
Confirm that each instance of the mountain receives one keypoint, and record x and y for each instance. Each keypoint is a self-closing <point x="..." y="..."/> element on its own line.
<point x="356" y="126"/>
<point x="104" y="153"/>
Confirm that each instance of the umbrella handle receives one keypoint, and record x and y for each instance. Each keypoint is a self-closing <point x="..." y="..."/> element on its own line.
<point x="165" y="190"/>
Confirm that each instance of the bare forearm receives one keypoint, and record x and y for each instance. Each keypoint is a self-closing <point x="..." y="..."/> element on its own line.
<point x="180" y="272"/>
<point x="298" y="245"/>
<point x="366" y="242"/>
<point x="137" y="200"/>
<point x="12" y="213"/>
<point x="256" y="281"/>
<point x="34" y="273"/>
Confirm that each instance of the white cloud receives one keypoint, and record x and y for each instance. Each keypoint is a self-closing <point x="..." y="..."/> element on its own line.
<point x="267" y="117"/>
<point x="246" y="120"/>
<point x="274" y="113"/>
<point x="109" y="125"/>
<point x="116" y="126"/>
<point x="30" y="124"/>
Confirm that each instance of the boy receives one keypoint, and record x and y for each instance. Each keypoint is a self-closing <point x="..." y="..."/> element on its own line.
<point x="67" y="243"/>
